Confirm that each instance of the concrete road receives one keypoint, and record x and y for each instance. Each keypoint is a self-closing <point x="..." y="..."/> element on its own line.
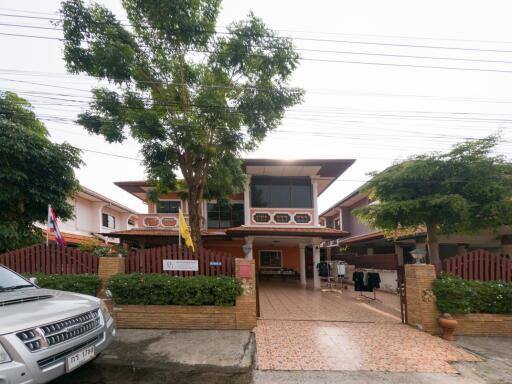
<point x="154" y="356"/>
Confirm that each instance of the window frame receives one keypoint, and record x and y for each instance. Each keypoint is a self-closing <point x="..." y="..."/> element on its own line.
<point x="108" y="215"/>
<point x="232" y="202"/>
<point x="168" y="200"/>
<point x="279" y="251"/>
<point x="281" y="181"/>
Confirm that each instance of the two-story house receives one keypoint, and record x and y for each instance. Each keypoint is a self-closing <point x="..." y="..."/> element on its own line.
<point x="364" y="240"/>
<point x="275" y="220"/>
<point x="95" y="216"/>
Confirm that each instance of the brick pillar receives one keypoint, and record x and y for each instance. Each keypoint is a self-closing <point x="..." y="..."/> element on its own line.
<point x="421" y="301"/>
<point x="246" y="302"/>
<point x="108" y="267"/>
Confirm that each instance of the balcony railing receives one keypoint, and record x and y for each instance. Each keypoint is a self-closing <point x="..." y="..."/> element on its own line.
<point x="162" y="220"/>
<point x="281" y="216"/>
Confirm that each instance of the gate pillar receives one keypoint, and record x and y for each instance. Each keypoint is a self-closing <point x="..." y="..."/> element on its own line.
<point x="421" y="302"/>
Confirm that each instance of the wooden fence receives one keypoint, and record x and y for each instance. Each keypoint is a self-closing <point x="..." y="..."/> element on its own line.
<point x="210" y="262"/>
<point x="50" y="259"/>
<point x="384" y="261"/>
<point x="480" y="265"/>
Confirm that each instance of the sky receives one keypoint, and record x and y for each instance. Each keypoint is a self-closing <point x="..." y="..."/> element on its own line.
<point x="383" y="81"/>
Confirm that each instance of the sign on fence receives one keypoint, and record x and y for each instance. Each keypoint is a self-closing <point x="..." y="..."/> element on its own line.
<point x="180" y="265"/>
<point x="215" y="263"/>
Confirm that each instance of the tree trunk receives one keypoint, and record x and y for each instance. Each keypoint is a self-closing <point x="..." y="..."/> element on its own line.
<point x="433" y="245"/>
<point x="194" y="211"/>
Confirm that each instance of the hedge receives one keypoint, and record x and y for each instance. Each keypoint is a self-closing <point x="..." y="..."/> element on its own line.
<point x="458" y="296"/>
<point x="160" y="289"/>
<point x="86" y="284"/>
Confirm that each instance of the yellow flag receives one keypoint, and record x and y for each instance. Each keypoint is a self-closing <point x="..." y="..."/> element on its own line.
<point x="185" y="231"/>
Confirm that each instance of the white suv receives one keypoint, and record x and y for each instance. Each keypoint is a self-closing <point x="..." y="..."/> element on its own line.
<point x="46" y="333"/>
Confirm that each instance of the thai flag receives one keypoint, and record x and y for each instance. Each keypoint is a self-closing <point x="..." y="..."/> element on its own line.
<point x="54" y="227"/>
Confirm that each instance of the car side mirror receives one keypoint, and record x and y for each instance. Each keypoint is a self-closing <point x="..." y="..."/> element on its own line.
<point x="33" y="280"/>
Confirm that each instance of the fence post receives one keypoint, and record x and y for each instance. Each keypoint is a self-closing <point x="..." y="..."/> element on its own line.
<point x="108" y="267"/>
<point x="246" y="302"/>
<point x="421" y="301"/>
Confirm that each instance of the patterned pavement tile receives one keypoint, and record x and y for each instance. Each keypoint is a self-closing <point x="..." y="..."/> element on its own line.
<point x="302" y="329"/>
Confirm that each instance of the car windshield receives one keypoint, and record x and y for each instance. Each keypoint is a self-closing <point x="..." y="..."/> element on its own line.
<point x="10" y="280"/>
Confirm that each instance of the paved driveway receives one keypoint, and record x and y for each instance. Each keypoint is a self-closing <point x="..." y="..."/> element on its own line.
<point x="303" y="329"/>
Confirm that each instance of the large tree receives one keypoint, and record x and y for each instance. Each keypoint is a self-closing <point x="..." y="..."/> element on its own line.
<point x="34" y="172"/>
<point x="463" y="191"/>
<point x="194" y="98"/>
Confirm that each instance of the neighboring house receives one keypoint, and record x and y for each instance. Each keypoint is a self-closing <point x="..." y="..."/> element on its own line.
<point x="275" y="220"/>
<point x="94" y="217"/>
<point x="364" y="240"/>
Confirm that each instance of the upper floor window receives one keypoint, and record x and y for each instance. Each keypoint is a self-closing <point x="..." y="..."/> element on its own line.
<point x="337" y="224"/>
<point x="225" y="215"/>
<point x="108" y="221"/>
<point x="166" y="206"/>
<point x="281" y="192"/>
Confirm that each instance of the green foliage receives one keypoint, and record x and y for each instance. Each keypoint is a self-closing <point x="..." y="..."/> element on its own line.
<point x="34" y="172"/>
<point x="86" y="284"/>
<point x="100" y="249"/>
<point x="464" y="190"/>
<point x="456" y="296"/>
<point x="159" y="289"/>
<point x="193" y="99"/>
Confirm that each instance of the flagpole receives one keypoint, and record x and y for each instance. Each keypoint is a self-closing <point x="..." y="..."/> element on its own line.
<point x="48" y="224"/>
<point x="179" y="228"/>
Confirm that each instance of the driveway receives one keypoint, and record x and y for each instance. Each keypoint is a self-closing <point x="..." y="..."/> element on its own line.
<point x="308" y="330"/>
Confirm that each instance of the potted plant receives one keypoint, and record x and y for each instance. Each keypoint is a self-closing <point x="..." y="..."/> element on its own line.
<point x="449" y="324"/>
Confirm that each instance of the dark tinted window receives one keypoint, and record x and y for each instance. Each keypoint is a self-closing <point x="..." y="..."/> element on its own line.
<point x="108" y="221"/>
<point x="281" y="192"/>
<point x="225" y="215"/>
<point x="168" y="206"/>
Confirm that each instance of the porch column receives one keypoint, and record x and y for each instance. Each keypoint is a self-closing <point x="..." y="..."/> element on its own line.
<point x="247" y="201"/>
<point x="314" y="184"/>
<point x="302" y="249"/>
<point x="316" y="260"/>
<point x="247" y="247"/>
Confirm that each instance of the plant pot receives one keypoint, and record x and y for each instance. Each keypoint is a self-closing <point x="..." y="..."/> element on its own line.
<point x="448" y="325"/>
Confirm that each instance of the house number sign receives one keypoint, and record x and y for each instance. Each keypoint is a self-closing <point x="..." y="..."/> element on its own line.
<point x="180" y="265"/>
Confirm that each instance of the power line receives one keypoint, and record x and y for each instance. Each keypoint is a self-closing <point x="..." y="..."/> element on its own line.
<point x="69" y="79"/>
<point x="333" y="51"/>
<point x="318" y="39"/>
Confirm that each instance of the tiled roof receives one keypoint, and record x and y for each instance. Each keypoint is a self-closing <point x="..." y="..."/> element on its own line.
<point x="287" y="231"/>
<point x="364" y="237"/>
<point x="158" y="232"/>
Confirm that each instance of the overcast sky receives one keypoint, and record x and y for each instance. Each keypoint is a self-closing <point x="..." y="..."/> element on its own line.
<point x="371" y="92"/>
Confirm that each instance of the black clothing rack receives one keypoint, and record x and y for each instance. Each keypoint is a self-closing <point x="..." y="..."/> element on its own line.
<point x="359" y="285"/>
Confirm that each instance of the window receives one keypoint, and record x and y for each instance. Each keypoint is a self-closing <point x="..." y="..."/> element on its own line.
<point x="337" y="224"/>
<point x="108" y="221"/>
<point x="165" y="206"/>
<point x="225" y="215"/>
<point x="281" y="192"/>
<point x="271" y="259"/>
<point x="131" y="221"/>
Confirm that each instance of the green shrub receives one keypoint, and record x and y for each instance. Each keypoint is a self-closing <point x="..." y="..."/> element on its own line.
<point x="159" y="289"/>
<point x="456" y="296"/>
<point x="86" y="284"/>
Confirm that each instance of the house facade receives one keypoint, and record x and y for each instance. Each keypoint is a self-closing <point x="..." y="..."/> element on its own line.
<point x="274" y="220"/>
<point x="365" y="240"/>
<point x="95" y="216"/>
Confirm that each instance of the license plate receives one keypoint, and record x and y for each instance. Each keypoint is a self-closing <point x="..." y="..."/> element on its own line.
<point x="79" y="358"/>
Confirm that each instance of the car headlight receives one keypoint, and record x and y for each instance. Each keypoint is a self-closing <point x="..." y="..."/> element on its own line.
<point x="104" y="311"/>
<point x="4" y="356"/>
